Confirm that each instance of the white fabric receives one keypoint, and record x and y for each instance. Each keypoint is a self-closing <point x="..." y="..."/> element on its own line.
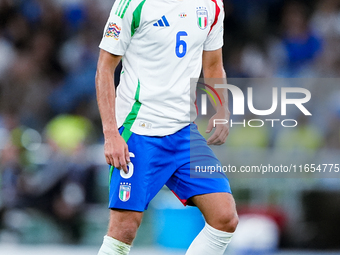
<point x="256" y="233"/>
<point x="150" y="58"/>
<point x="112" y="246"/>
<point x="210" y="241"/>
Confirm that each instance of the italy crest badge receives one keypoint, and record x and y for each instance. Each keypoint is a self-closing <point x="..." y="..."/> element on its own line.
<point x="202" y="17"/>
<point x="124" y="191"/>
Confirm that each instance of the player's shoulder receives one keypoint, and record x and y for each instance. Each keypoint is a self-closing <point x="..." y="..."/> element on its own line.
<point x="129" y="3"/>
<point x="218" y="2"/>
<point x="121" y="7"/>
<point x="214" y="3"/>
<point x="138" y="2"/>
<point x="216" y="6"/>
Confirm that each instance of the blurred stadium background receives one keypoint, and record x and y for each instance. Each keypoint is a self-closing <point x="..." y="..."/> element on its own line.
<point x="53" y="177"/>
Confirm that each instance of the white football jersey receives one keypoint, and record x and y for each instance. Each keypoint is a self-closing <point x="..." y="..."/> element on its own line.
<point x="161" y="42"/>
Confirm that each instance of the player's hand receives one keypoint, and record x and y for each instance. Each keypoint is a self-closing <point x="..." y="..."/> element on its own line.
<point x="221" y="130"/>
<point x="116" y="151"/>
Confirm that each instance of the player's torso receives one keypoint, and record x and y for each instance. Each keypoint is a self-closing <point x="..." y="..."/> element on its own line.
<point x="173" y="28"/>
<point x="166" y="48"/>
<point x="165" y="52"/>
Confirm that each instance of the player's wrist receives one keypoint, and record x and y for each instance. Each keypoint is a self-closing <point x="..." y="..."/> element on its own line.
<point x="222" y="111"/>
<point x="227" y="113"/>
<point x="111" y="132"/>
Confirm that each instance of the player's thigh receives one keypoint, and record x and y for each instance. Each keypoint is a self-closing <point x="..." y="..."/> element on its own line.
<point x="150" y="167"/>
<point x="124" y="224"/>
<point x="219" y="210"/>
<point x="187" y="182"/>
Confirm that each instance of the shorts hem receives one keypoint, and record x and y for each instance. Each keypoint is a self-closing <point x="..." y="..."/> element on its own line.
<point x="187" y="201"/>
<point x="125" y="209"/>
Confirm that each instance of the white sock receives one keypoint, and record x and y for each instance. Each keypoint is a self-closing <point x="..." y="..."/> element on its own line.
<point x="210" y="241"/>
<point x="112" y="246"/>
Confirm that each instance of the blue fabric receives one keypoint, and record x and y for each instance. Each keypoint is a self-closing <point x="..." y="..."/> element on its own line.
<point x="165" y="160"/>
<point x="301" y="51"/>
<point x="31" y="10"/>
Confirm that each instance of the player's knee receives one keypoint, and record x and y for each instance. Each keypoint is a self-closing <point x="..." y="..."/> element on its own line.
<point x="125" y="228"/>
<point x="128" y="234"/>
<point x="226" y="221"/>
<point x="125" y="232"/>
<point x="232" y="225"/>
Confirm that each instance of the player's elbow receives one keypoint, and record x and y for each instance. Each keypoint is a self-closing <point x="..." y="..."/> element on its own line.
<point x="214" y="71"/>
<point x="100" y="77"/>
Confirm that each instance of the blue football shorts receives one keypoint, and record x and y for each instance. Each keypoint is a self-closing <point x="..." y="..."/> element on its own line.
<point x="166" y="160"/>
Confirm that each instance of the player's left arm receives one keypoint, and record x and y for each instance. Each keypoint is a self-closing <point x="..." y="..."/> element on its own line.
<point x="213" y="68"/>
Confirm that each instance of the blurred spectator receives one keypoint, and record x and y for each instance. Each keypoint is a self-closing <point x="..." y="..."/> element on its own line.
<point x="326" y="19"/>
<point x="48" y="61"/>
<point x="49" y="52"/>
<point x="7" y="54"/>
<point x="13" y="160"/>
<point x="303" y="46"/>
<point x="65" y="184"/>
<point x="10" y="170"/>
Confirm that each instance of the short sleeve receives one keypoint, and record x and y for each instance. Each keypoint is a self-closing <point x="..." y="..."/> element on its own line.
<point x="214" y="40"/>
<point x="117" y="32"/>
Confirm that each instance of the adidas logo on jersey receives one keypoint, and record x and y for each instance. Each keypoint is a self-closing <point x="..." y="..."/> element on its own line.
<point x="162" y="22"/>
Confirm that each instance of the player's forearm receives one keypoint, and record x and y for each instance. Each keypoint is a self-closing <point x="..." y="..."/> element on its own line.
<point x="106" y="93"/>
<point x="214" y="73"/>
<point x="106" y="100"/>
<point x="217" y="75"/>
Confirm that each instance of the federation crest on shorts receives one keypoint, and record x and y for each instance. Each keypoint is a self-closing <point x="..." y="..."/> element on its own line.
<point x="113" y="30"/>
<point x="124" y="191"/>
<point x="202" y="17"/>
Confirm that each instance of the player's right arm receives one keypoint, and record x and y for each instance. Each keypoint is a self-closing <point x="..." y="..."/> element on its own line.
<point x="116" y="149"/>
